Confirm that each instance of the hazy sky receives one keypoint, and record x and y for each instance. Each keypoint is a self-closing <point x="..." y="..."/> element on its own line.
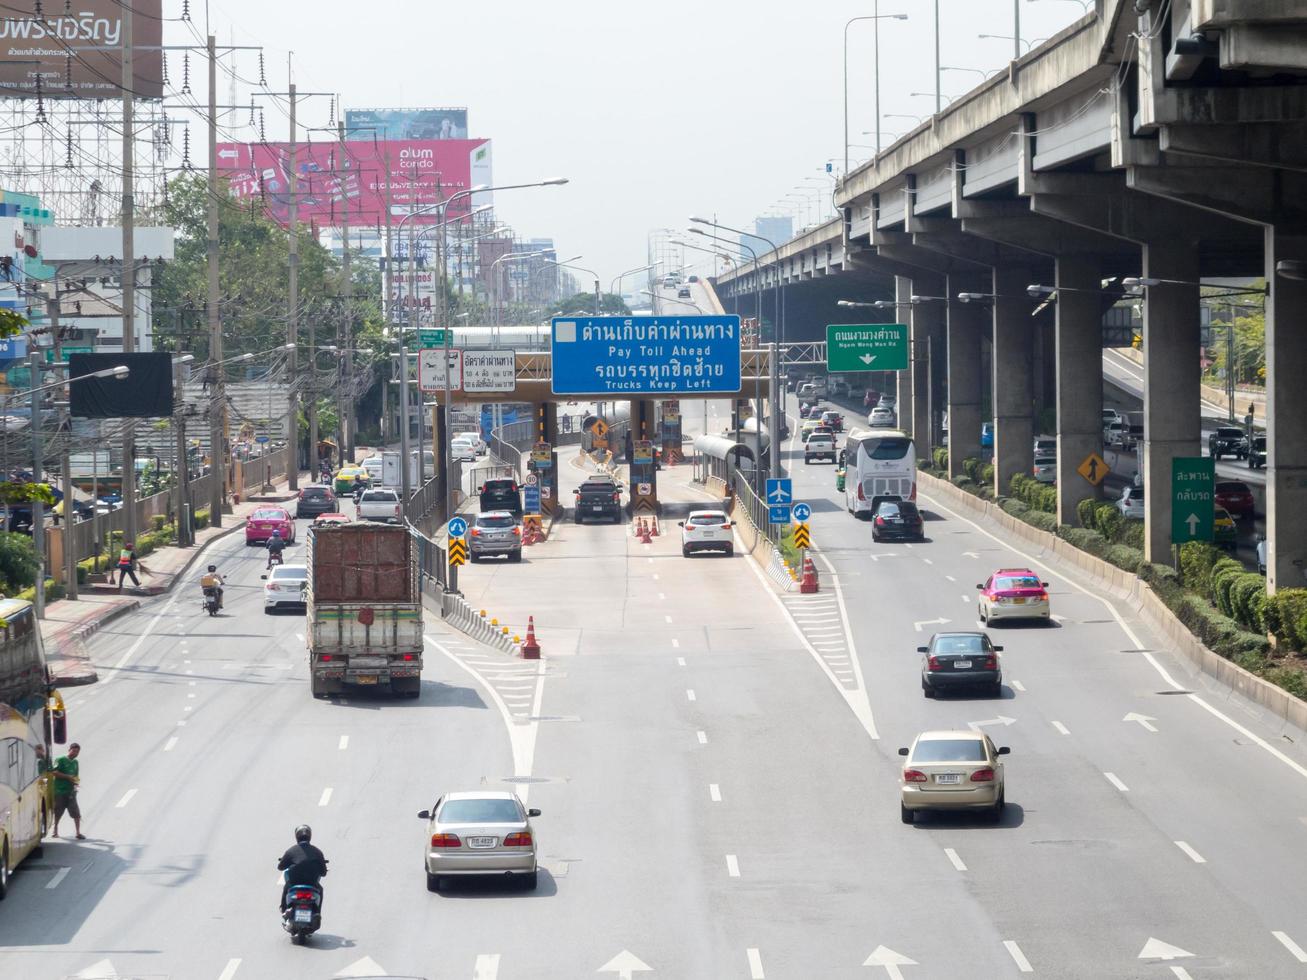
<point x="653" y="110"/>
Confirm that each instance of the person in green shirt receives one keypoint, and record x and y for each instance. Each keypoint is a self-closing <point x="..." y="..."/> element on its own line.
<point x="66" y="778"/>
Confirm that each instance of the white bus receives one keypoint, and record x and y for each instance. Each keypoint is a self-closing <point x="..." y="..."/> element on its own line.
<point x="879" y="463"/>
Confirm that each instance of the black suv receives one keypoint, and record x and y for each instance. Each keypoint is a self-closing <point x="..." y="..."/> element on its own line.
<point x="1227" y="441"/>
<point x="501" y="494"/>
<point x="314" y="501"/>
<point x="1257" y="453"/>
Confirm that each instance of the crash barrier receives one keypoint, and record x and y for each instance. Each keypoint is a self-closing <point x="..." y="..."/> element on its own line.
<point x="456" y="611"/>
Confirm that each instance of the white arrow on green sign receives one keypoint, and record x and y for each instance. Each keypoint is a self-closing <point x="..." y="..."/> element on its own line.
<point x="1193" y="498"/>
<point x="866" y="347"/>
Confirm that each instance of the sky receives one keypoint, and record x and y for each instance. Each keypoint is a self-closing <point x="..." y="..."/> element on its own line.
<point x="653" y="111"/>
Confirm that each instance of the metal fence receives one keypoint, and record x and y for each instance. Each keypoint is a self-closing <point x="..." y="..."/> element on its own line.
<point x="756" y="508"/>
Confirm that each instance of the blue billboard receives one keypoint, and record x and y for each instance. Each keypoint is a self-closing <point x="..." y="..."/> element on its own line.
<point x="406" y="124"/>
<point x="645" y="355"/>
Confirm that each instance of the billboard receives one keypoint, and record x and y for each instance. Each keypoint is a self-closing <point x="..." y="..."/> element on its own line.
<point x="73" y="51"/>
<point x="406" y="124"/>
<point x="145" y="393"/>
<point x="336" y="181"/>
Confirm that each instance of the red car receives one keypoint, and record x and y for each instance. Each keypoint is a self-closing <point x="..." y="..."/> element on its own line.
<point x="834" y="420"/>
<point x="265" y="520"/>
<point x="1236" y="497"/>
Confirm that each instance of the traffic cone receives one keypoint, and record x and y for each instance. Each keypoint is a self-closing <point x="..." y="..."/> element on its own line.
<point x="644" y="533"/>
<point x="653" y="522"/>
<point x="809" y="583"/>
<point x="530" y="648"/>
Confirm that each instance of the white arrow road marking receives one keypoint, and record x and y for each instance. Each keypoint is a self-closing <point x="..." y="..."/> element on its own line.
<point x="1111" y="778"/>
<point x="930" y="622"/>
<point x="1143" y="720"/>
<point x="714" y="792"/>
<point x="732" y="866"/>
<point x="755" y="964"/>
<point x="1018" y="957"/>
<point x="230" y="969"/>
<point x="1155" y="949"/>
<point x="957" y="862"/>
<point x="98" y="971"/>
<point x="1294" y="949"/>
<point x="890" y="960"/>
<point x="366" y="967"/>
<point x="1061" y="728"/>
<point x="487" y="967"/>
<point x="624" y="964"/>
<point x="1194" y="855"/>
<point x="703" y="737"/>
<point x="689" y="694"/>
<point x="970" y="554"/>
<point x="976" y="726"/>
<point x="127" y="798"/>
<point x="344" y="743"/>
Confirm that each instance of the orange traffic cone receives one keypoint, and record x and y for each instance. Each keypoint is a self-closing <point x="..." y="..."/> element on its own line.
<point x="530" y="648"/>
<point x="808" y="584"/>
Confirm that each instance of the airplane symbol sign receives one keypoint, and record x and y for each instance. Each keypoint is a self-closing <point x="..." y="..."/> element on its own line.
<point x="780" y="491"/>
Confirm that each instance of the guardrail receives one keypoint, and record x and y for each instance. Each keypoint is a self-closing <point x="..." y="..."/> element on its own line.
<point x="454" y="609"/>
<point x="756" y="508"/>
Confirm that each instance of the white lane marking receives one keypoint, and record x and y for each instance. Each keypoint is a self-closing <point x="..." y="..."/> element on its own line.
<point x="680" y="661"/>
<point x="1019" y="686"/>
<point x="703" y="737"/>
<point x="953" y="857"/>
<point x="181" y="724"/>
<point x="325" y="798"/>
<point x="344" y="743"/>
<point x="1193" y="855"/>
<point x="300" y="637"/>
<point x="675" y="642"/>
<point x="1181" y="973"/>
<point x="650" y="561"/>
<point x="1294" y="949"/>
<point x="732" y="866"/>
<point x="667" y="619"/>
<point x="967" y="599"/>
<point x="928" y="561"/>
<point x="1018" y="957"/>
<point x="230" y="969"/>
<point x="662" y="595"/>
<point x="1061" y="728"/>
<point x="168" y="745"/>
<point x="190" y="683"/>
<point x="655" y="576"/>
<point x="755" y="964"/>
<point x="59" y="876"/>
<point x="487" y="967"/>
<point x="127" y="798"/>
<point x="714" y="792"/>
<point x="189" y="708"/>
<point x="1111" y="778"/>
<point x="190" y="695"/>
<point x="689" y="694"/>
<point x="1125" y="628"/>
<point x="950" y="578"/>
<point x="117" y="668"/>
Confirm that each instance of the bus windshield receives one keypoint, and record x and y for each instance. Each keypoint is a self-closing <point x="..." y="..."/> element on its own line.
<point x="889" y="448"/>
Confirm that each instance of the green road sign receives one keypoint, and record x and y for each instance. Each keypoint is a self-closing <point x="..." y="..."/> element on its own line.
<point x="867" y="347"/>
<point x="431" y="338"/>
<point x="1193" y="498"/>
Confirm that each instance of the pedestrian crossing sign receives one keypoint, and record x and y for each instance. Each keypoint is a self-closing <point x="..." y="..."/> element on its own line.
<point x="1094" y="469"/>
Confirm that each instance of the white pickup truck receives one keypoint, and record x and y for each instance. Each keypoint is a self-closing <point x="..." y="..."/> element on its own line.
<point x="380" y="504"/>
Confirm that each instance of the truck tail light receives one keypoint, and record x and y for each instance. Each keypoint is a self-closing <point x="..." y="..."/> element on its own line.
<point x="324" y="657"/>
<point x="445" y="840"/>
<point x="410" y="656"/>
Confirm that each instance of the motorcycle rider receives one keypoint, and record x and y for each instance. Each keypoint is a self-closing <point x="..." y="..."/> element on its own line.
<point x="303" y="864"/>
<point x="275" y="547"/>
<point x="212" y="580"/>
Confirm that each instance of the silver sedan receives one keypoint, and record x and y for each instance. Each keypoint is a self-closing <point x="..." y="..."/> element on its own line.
<point x="482" y="833"/>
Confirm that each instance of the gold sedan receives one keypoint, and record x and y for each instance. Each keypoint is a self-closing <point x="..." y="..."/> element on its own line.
<point x="952" y="771"/>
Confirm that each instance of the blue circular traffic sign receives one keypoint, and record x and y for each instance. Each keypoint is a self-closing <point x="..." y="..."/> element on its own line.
<point x="457" y="527"/>
<point x="802" y="512"/>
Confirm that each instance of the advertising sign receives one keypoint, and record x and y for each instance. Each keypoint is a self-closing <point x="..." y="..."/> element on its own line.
<point x="607" y="355"/>
<point x="867" y="347"/>
<point x="489" y="370"/>
<point x="75" y="51"/>
<point x="642" y="452"/>
<point x="406" y="124"/>
<point x="542" y="455"/>
<point x="431" y="369"/>
<point x="334" y="179"/>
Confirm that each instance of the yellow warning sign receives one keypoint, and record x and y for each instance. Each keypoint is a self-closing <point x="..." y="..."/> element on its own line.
<point x="1094" y="469"/>
<point x="458" y="551"/>
<point x="802" y="536"/>
<point x="599" y="428"/>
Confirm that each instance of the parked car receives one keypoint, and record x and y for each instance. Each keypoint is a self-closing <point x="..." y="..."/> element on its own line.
<point x="1228" y="441"/>
<point x="379" y="504"/>
<point x="964" y="659"/>
<point x="495" y="532"/>
<point x="897" y="519"/>
<point x="1236" y="497"/>
<point x="1225" y="533"/>
<point x="314" y="500"/>
<point x="1014" y="593"/>
<point x="501" y="493"/>
<point x="1131" y="503"/>
<point x="707" y="530"/>
<point x="260" y="525"/>
<point x="952" y="770"/>
<point x="1044" y="469"/>
<point x="881" y="417"/>
<point x="833" y="419"/>
<point x="284" y="586"/>
<point x="1257" y="452"/>
<point x="986" y="435"/>
<point x="819" y="445"/>
<point x="480" y="833"/>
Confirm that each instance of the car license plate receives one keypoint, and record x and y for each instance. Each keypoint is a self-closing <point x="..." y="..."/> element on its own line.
<point x="961" y="664"/>
<point x="597" y="507"/>
<point x="1019" y="601"/>
<point x="365" y="679"/>
<point x="948" y="778"/>
<point x="481" y="842"/>
<point x="303" y="915"/>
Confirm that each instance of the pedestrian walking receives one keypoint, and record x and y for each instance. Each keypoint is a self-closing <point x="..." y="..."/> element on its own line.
<point x="66" y="779"/>
<point x="127" y="565"/>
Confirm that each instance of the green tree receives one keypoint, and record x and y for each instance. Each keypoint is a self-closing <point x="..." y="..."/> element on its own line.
<point x="582" y="304"/>
<point x="18" y="562"/>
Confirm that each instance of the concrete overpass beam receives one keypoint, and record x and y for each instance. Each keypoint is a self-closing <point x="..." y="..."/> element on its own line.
<point x="966" y="326"/>
<point x="1172" y="409"/>
<point x="1286" y="410"/>
<point x="1014" y="423"/>
<point x="1079" y="379"/>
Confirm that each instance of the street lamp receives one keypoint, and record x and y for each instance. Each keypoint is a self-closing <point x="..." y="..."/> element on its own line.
<point x="876" y="17"/>
<point x="599" y="303"/>
<point x="612" y="289"/>
<point x="1008" y="37"/>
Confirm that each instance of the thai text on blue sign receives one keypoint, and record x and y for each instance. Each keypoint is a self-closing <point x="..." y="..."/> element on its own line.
<point x="645" y="354"/>
<point x="531" y="499"/>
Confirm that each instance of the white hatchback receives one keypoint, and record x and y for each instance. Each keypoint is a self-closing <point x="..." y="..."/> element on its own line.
<point x="881" y="416"/>
<point x="707" y="530"/>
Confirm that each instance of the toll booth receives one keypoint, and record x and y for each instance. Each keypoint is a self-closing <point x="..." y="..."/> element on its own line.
<point x="541" y="462"/>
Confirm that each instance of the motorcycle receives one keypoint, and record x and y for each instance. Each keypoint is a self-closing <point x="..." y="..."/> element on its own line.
<point x="211" y="600"/>
<point x="274" y="559"/>
<point x="302" y="916"/>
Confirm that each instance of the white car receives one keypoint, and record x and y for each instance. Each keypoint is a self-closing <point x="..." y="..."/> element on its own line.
<point x="1131" y="503"/>
<point x="373" y="465"/>
<point x="284" y="586"/>
<point x="464" y="449"/>
<point x="881" y="416"/>
<point x="474" y="437"/>
<point x="956" y="770"/>
<point x="820" y="445"/>
<point x="707" y="530"/>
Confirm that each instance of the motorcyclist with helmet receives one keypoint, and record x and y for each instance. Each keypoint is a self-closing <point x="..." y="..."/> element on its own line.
<point x="303" y="864"/>
<point x="212" y="580"/>
<point x="276" y="545"/>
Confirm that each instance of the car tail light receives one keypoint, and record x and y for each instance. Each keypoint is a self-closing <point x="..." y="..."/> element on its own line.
<point x="726" y="526"/>
<point x="880" y="521"/>
<point x="273" y="588"/>
<point x="1041" y="596"/>
<point x="913" y="776"/>
<point x="991" y="662"/>
<point x="933" y="664"/>
<point x="617" y="497"/>
<point x="476" y="532"/>
<point x="522" y="839"/>
<point x="913" y="495"/>
<point x="397" y="510"/>
<point x="445" y="840"/>
<point x="985" y="775"/>
<point x="517" y="531"/>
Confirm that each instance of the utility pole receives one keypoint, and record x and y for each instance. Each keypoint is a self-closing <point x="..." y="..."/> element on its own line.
<point x="218" y="395"/>
<point x="344" y="387"/>
<point x="182" y="468"/>
<point x="389" y="286"/>
<point x="65" y="460"/>
<point x="293" y="302"/>
<point x="34" y="361"/>
<point x="128" y="267"/>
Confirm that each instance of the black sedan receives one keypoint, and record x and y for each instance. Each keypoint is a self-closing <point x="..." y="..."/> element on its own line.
<point x="897" y="519"/>
<point x="954" y="660"/>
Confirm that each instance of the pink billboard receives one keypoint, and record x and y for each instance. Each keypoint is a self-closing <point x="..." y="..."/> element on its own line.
<point x="339" y="180"/>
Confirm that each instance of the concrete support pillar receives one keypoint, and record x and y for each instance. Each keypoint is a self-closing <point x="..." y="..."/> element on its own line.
<point x="966" y="327"/>
<point x="1013" y="362"/>
<point x="1172" y="410"/>
<point x="904" y="387"/>
<point x="1286" y="412"/>
<point x="929" y="338"/>
<point x="1079" y="380"/>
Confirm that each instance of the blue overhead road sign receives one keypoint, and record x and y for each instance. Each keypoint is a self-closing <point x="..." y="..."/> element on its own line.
<point x="802" y="512"/>
<point x="645" y="355"/>
<point x="457" y="527"/>
<point x="778" y="514"/>
<point x="780" y="491"/>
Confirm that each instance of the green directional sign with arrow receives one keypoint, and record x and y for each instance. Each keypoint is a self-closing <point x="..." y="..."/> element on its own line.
<point x="1193" y="498"/>
<point x="866" y="347"/>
